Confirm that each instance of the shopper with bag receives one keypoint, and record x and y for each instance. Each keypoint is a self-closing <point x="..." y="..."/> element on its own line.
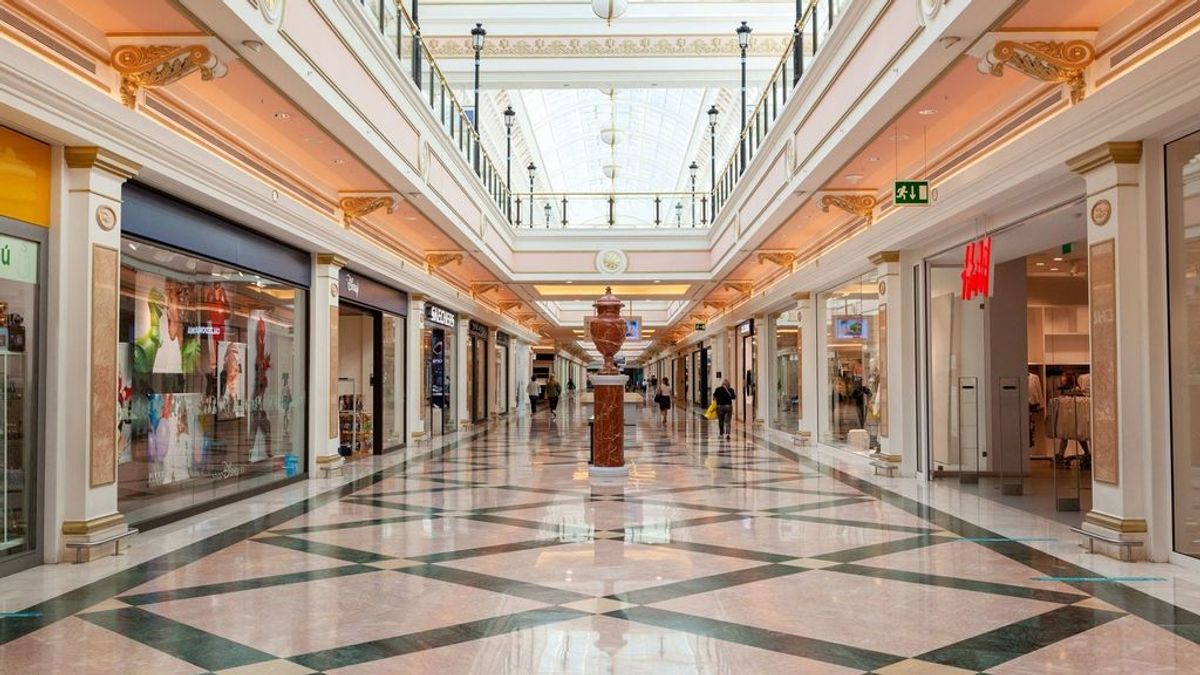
<point x="663" y="398"/>
<point x="723" y="397"/>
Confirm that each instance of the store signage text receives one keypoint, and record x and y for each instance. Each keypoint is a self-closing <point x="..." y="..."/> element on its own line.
<point x="700" y="327"/>
<point x="910" y="193"/>
<point x="351" y="284"/>
<point x="440" y="316"/>
<point x="746" y="328"/>
<point x="977" y="269"/>
<point x="18" y="260"/>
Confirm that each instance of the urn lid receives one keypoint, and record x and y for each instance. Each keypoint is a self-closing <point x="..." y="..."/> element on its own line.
<point x="608" y="304"/>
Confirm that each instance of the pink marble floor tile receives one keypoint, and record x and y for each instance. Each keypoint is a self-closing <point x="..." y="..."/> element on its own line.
<point x="1127" y="645"/>
<point x="748" y="499"/>
<point x="888" y="616"/>
<point x="243" y="560"/>
<point x="476" y="498"/>
<point x="76" y="646"/>
<point x="339" y="512"/>
<point x="608" y="515"/>
<point x="598" y="644"/>
<point x="602" y="567"/>
<point x="425" y="536"/>
<point x="328" y="613"/>
<point x="787" y="537"/>
<point x="967" y="560"/>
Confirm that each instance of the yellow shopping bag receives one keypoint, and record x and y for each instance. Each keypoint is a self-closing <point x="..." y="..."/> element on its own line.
<point x="711" y="413"/>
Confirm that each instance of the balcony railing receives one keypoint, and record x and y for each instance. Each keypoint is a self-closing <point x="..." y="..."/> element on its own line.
<point x="578" y="210"/>
<point x="808" y="36"/>
<point x="398" y="28"/>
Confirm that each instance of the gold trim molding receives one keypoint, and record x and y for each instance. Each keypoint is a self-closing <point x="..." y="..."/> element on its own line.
<point x="435" y="261"/>
<point x="331" y="259"/>
<point x="1117" y="152"/>
<point x="800" y="296"/>
<point x="76" y="528"/>
<point x="359" y="204"/>
<point x="582" y="46"/>
<point x="861" y="205"/>
<point x="92" y="157"/>
<point x="478" y="289"/>
<point x="785" y="259"/>
<point x="1122" y="525"/>
<point x="885" y="257"/>
<point x="155" y="66"/>
<point x="1061" y="61"/>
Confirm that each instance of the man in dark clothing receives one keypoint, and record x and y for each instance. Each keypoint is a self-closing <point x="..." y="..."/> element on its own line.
<point x="724" y="396"/>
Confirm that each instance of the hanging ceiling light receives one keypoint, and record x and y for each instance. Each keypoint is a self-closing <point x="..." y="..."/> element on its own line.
<point x="610" y="136"/>
<point x="609" y="9"/>
<point x="611" y="171"/>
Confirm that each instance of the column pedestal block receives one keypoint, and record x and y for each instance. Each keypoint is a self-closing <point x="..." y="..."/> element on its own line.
<point x="609" y="426"/>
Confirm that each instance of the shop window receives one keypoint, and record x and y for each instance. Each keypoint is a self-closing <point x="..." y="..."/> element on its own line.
<point x="855" y="368"/>
<point x="212" y="381"/>
<point x="787" y="371"/>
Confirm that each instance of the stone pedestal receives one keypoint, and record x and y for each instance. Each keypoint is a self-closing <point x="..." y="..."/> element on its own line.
<point x="608" y="431"/>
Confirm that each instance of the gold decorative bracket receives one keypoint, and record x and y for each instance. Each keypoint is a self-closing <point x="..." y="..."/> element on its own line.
<point x="435" y="261"/>
<point x="355" y="205"/>
<point x="740" y="287"/>
<point x="1062" y="61"/>
<point x="714" y="306"/>
<point x="856" y="204"/>
<point x="506" y="305"/>
<point x="478" y="289"/>
<point x="152" y="66"/>
<point x="784" y="259"/>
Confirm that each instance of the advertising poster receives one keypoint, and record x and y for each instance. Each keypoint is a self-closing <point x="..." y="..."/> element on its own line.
<point x="259" y="422"/>
<point x="164" y="341"/>
<point x="173" y="434"/>
<point x="231" y="381"/>
<point x="124" y="404"/>
<point x="437" y="367"/>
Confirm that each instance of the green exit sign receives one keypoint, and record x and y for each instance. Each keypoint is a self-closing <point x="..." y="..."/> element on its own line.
<point x="699" y="327"/>
<point x="911" y="193"/>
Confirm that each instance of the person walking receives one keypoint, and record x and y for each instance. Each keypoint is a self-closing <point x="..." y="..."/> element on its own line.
<point x="724" y="396"/>
<point x="570" y="387"/>
<point x="663" y="397"/>
<point x="534" y="390"/>
<point x="553" y="392"/>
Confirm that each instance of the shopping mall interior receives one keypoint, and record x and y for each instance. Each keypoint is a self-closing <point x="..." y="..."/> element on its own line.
<point x="600" y="336"/>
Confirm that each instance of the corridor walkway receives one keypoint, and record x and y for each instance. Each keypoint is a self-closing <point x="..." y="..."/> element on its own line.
<point x="496" y="555"/>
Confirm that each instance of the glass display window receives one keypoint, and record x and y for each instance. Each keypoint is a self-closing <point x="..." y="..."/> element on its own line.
<point x="787" y="371"/>
<point x="212" y="374"/>
<point x="854" y="370"/>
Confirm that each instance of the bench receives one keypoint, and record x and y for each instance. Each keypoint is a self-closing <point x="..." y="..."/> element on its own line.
<point x="327" y="463"/>
<point x="81" y="546"/>
<point x="1126" y="545"/>
<point x="889" y="467"/>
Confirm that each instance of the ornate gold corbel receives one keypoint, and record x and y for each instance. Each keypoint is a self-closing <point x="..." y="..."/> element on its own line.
<point x="358" y="204"/>
<point x="785" y="259"/>
<point x="714" y="306"/>
<point x="435" y="261"/>
<point x="152" y="66"/>
<point x="1046" y="60"/>
<point x="505" y="305"/>
<point x="860" y="204"/>
<point x="740" y="287"/>
<point x="478" y="289"/>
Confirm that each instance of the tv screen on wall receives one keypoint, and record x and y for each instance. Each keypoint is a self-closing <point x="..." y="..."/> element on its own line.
<point x="850" y="328"/>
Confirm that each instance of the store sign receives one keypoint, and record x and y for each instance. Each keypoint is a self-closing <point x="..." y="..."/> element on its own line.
<point x="441" y="317"/>
<point x="502" y="339"/>
<point x="700" y="327"/>
<point x="371" y="293"/>
<point x="478" y="330"/>
<point x="977" y="269"/>
<point x="350" y="285"/>
<point x="910" y="193"/>
<point x="18" y="260"/>
<point x="746" y="327"/>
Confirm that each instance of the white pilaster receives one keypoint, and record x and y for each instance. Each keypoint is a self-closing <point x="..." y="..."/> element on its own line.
<point x="323" y="361"/>
<point x="895" y="373"/>
<point x="493" y="384"/>
<point x="462" y="334"/>
<point x="414" y="357"/>
<point x="807" y="340"/>
<point x="764" y="383"/>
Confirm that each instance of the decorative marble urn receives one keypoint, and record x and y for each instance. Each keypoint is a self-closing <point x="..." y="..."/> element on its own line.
<point x="608" y="329"/>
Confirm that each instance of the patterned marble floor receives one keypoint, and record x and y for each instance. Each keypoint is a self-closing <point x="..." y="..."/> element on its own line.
<point x="496" y="555"/>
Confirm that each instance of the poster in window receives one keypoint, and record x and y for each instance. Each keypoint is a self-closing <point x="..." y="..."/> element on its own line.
<point x="173" y="435"/>
<point x="165" y="310"/>
<point x="259" y="421"/>
<point x="124" y="403"/>
<point x="231" y="381"/>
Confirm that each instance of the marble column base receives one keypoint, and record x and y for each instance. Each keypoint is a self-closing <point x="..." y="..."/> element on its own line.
<point x="606" y="472"/>
<point x="608" y="431"/>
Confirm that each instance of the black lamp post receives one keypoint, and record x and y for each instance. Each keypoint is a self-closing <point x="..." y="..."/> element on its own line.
<point x="712" y="154"/>
<point x="477" y="35"/>
<point x="532" y="169"/>
<point x="743" y="36"/>
<point x="678" y="214"/>
<point x="692" y="169"/>
<point x="546" y="210"/>
<point x="509" y="117"/>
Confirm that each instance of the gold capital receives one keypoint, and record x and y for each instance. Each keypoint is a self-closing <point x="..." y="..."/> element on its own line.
<point x="1118" y="152"/>
<point x="861" y="205"/>
<point x="1047" y="61"/>
<point x="152" y="66"/>
<point x="92" y="157"/>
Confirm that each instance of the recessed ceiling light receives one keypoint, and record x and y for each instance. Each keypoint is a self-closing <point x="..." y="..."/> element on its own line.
<point x="873" y="158"/>
<point x="658" y="281"/>
<point x="853" y="177"/>
<point x="1040" y="264"/>
<point x="339" y="161"/>
<point x="927" y="112"/>
<point x="283" y="115"/>
<point x="569" y="281"/>
<point x="1058" y="259"/>
<point x="1053" y="269"/>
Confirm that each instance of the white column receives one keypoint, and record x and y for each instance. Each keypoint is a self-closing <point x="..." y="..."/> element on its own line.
<point x="806" y="311"/>
<point x="462" y="335"/>
<point x="81" y="352"/>
<point x="764" y="331"/>
<point x="414" y="356"/>
<point x="510" y="372"/>
<point x="895" y="375"/>
<point x="493" y="384"/>
<point x="323" y="360"/>
<point x="1119" y="269"/>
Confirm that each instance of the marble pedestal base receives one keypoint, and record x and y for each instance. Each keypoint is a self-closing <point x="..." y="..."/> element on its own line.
<point x="609" y="426"/>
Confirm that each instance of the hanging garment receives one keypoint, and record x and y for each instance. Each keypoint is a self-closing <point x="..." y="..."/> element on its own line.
<point x="1037" y="397"/>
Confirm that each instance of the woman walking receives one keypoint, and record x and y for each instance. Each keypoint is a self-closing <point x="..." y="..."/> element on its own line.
<point x="553" y="392"/>
<point x="664" y="398"/>
<point x="724" y="396"/>
<point x="534" y="391"/>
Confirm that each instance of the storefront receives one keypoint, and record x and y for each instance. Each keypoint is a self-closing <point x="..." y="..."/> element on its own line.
<point x="437" y="340"/>
<point x="371" y="392"/>
<point x="700" y="386"/>
<point x="477" y="371"/>
<point x="786" y="416"/>
<point x="1009" y="411"/>
<point x="1183" y="287"/>
<point x="503" y="354"/>
<point x="746" y="352"/>
<point x="24" y="216"/>
<point x="854" y="365"/>
<point x="212" y="360"/>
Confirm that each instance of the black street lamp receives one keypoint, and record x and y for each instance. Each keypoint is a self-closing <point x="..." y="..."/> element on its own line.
<point x="532" y="169"/>
<point x="510" y="116"/>
<point x="692" y="169"/>
<point x="546" y="210"/>
<point x="477" y="35"/>
<point x="712" y="154"/>
<point x="743" y="36"/>
<point x="678" y="214"/>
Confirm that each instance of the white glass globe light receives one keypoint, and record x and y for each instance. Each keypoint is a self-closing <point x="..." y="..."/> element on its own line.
<point x="610" y="136"/>
<point x="609" y="9"/>
<point x="611" y="171"/>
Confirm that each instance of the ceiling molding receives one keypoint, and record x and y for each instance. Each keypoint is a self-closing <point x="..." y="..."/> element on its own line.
<point x="699" y="46"/>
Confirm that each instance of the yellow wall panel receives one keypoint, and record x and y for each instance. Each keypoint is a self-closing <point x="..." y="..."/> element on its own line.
<point x="24" y="178"/>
